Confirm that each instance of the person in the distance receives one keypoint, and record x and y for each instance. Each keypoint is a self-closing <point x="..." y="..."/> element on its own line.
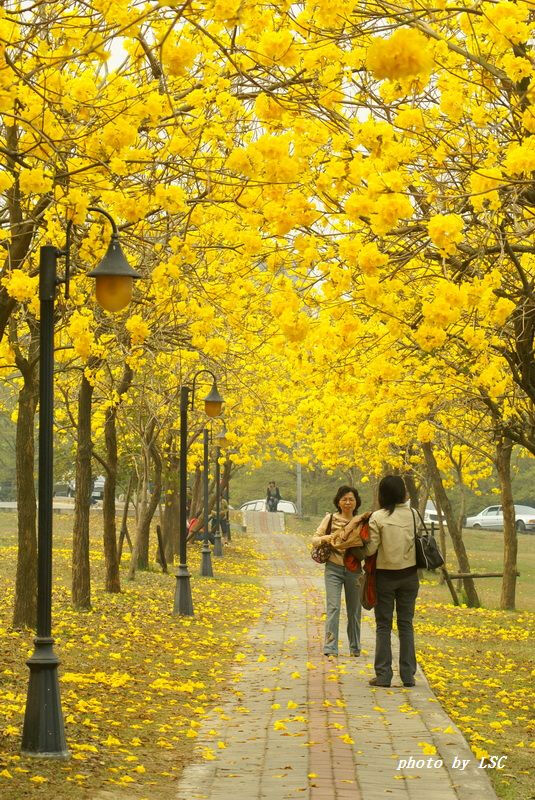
<point x="273" y="496"/>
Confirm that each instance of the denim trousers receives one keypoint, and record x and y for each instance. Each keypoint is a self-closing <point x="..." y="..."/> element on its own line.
<point x="401" y="591"/>
<point x="337" y="576"/>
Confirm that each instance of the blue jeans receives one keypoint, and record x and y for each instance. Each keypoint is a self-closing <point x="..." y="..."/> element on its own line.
<point x="337" y="576"/>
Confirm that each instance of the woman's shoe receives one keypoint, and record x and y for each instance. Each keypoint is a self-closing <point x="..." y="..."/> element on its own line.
<point x="375" y="682"/>
<point x="331" y="656"/>
<point x="409" y="684"/>
<point x="355" y="653"/>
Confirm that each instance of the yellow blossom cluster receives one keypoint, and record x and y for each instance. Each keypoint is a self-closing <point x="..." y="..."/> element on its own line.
<point x="407" y="53"/>
<point x="20" y="285"/>
<point x="446" y="230"/>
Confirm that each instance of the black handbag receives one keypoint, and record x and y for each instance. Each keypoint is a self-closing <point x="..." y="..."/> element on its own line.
<point x="428" y="556"/>
<point x="321" y="553"/>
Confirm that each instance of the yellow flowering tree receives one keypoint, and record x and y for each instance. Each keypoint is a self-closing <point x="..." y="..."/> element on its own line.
<point x="332" y="196"/>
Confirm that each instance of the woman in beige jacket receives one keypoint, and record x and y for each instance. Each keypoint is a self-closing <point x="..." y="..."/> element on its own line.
<point x="344" y="534"/>
<point x="392" y="537"/>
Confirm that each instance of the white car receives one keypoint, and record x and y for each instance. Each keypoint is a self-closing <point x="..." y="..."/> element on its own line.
<point x="492" y="518"/>
<point x="431" y="516"/>
<point x="260" y="505"/>
<point x="97" y="493"/>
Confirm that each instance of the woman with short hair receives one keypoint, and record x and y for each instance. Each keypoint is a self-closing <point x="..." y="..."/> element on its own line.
<point x="344" y="521"/>
<point x="392" y="538"/>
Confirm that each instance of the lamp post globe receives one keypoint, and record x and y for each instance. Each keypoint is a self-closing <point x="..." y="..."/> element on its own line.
<point x="213" y="402"/>
<point x="114" y="278"/>
<point x="221" y="440"/>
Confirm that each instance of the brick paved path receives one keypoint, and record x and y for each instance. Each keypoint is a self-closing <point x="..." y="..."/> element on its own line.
<point x="300" y="726"/>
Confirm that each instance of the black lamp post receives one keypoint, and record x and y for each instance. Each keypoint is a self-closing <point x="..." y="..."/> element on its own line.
<point x="43" y="733"/>
<point x="206" y="555"/>
<point x="213" y="402"/>
<point x="227" y="498"/>
<point x="221" y="442"/>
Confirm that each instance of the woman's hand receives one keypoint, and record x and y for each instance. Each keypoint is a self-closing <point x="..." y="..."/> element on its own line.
<point x="317" y="540"/>
<point x="354" y="522"/>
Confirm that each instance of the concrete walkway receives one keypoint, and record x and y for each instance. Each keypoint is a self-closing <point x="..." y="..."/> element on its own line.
<point x="300" y="726"/>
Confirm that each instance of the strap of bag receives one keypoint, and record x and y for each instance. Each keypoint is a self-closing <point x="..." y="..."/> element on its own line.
<point x="421" y="520"/>
<point x="419" y="549"/>
<point x="413" y="521"/>
<point x="329" y="526"/>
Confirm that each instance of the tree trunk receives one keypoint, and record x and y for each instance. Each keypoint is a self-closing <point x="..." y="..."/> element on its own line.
<point x="152" y="505"/>
<point x="171" y="528"/>
<point x="196" y="494"/>
<point x="442" y="536"/>
<point x="81" y="576"/>
<point x="25" y="608"/>
<point x="170" y="525"/>
<point x="352" y="476"/>
<point x="140" y="553"/>
<point x="113" y="580"/>
<point x="211" y="505"/>
<point x="424" y="495"/>
<point x="374" y="485"/>
<point x="22" y="224"/>
<point x="111" y="556"/>
<point x="143" y="481"/>
<point x="412" y="489"/>
<point x="124" y="522"/>
<point x="453" y="527"/>
<point x="462" y="491"/>
<point x="504" y="449"/>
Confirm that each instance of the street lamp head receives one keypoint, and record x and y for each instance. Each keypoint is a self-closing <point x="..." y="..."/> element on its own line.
<point x="213" y="402"/>
<point x="114" y="278"/>
<point x="221" y="440"/>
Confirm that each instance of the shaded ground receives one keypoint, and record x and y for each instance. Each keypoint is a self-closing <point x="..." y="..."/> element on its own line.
<point x="479" y="662"/>
<point x="314" y="728"/>
<point x="136" y="682"/>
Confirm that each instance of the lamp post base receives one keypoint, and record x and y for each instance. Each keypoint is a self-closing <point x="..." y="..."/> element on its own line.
<point x="218" y="547"/>
<point x="183" y="600"/>
<point x="43" y="734"/>
<point x="206" y="561"/>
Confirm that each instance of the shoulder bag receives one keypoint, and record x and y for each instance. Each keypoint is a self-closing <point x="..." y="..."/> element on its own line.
<point x="428" y="556"/>
<point x="321" y="553"/>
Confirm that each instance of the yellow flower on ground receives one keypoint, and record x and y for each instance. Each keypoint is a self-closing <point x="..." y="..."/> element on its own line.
<point x="427" y="749"/>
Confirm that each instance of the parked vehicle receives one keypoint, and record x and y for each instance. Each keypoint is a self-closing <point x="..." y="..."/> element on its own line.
<point x="64" y="489"/>
<point x="431" y="515"/>
<point x="492" y="518"/>
<point x="97" y="492"/>
<point x="260" y="505"/>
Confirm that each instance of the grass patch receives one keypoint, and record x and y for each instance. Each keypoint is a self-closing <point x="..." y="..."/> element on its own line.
<point x="136" y="681"/>
<point x="479" y="662"/>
